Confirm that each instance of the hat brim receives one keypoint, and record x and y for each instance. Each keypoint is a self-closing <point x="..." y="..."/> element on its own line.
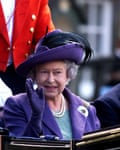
<point x="71" y="52"/>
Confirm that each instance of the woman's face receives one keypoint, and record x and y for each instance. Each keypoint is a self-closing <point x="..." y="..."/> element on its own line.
<point x="52" y="77"/>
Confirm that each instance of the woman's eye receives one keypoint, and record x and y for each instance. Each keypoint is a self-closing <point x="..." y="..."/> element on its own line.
<point x="43" y="72"/>
<point x="57" y="72"/>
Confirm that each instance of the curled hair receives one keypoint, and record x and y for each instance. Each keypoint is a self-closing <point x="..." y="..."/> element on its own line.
<point x="72" y="69"/>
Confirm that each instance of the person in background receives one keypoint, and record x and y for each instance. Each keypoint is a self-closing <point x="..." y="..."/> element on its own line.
<point x="108" y="107"/>
<point x="23" y="23"/>
<point x="48" y="107"/>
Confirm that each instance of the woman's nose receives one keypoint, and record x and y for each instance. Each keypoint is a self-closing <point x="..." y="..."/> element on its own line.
<point x="51" y="77"/>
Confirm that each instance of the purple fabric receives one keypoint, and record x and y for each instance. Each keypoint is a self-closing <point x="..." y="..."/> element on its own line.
<point x="72" y="52"/>
<point x="108" y="107"/>
<point x="18" y="118"/>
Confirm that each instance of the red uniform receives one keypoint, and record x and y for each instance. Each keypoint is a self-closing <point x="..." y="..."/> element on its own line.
<point x="31" y="18"/>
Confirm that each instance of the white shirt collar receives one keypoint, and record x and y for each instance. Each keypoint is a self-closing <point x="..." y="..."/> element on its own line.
<point x="8" y="9"/>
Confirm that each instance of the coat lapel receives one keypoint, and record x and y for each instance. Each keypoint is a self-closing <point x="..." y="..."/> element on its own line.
<point x="20" y="14"/>
<point x="50" y="122"/>
<point x="3" y="29"/>
<point x="78" y="119"/>
<point x="78" y="122"/>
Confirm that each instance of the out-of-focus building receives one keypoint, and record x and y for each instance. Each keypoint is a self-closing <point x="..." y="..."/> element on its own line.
<point x="99" y="21"/>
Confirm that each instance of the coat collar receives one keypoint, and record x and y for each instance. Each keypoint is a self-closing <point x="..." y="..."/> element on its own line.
<point x="78" y="119"/>
<point x="50" y="122"/>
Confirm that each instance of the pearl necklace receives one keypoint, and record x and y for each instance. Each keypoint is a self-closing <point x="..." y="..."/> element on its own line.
<point x="62" y="109"/>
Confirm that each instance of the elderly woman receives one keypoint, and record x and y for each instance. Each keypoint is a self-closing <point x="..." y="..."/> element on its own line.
<point x="51" y="108"/>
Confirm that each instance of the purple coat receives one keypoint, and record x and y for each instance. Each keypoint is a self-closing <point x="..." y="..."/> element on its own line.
<point x="108" y="107"/>
<point x="18" y="120"/>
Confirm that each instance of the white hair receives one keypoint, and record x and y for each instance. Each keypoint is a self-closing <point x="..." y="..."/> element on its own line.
<point x="72" y="69"/>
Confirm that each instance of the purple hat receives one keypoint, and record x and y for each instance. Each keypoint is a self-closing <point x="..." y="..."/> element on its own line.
<point x="43" y="54"/>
